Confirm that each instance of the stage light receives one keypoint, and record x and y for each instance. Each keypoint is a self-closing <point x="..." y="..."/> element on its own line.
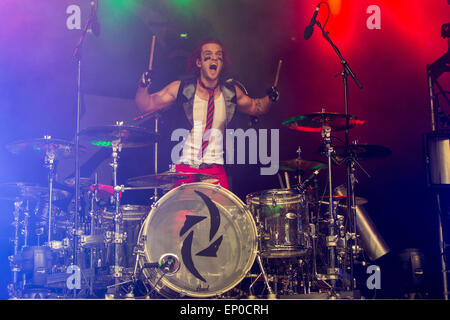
<point x="335" y="6"/>
<point x="101" y="143"/>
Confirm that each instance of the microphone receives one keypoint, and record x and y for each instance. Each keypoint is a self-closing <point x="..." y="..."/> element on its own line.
<point x="310" y="27"/>
<point x="95" y="26"/>
<point x="168" y="263"/>
<point x="302" y="187"/>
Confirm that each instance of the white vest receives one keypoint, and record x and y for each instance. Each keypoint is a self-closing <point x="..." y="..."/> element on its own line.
<point x="193" y="143"/>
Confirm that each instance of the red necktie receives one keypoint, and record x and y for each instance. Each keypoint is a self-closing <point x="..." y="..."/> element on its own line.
<point x="209" y="120"/>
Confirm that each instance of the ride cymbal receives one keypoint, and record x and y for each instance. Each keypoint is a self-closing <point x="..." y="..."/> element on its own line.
<point x="315" y="121"/>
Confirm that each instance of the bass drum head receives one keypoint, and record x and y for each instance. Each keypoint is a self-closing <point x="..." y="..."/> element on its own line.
<point x="211" y="232"/>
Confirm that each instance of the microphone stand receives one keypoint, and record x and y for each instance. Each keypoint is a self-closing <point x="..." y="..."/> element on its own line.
<point x="351" y="203"/>
<point x="77" y="56"/>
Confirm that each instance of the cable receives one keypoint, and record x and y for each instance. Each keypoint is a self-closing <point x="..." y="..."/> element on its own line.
<point x="156" y="284"/>
<point x="328" y="16"/>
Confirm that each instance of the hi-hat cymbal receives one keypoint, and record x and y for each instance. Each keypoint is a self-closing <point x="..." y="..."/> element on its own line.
<point x="315" y="121"/>
<point x="16" y="191"/>
<point x="125" y="135"/>
<point x="361" y="151"/>
<point x="57" y="147"/>
<point x="301" y="165"/>
<point x="166" y="180"/>
<point x="337" y="197"/>
<point x="365" y="151"/>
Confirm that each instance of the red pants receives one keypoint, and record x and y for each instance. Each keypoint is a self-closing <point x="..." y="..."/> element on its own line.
<point x="217" y="171"/>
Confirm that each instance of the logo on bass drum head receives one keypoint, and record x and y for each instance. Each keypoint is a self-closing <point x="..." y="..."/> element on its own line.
<point x="211" y="250"/>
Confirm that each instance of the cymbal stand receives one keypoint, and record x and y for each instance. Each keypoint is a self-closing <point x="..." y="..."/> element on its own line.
<point x="331" y="238"/>
<point x="16" y="224"/>
<point x="25" y="223"/>
<point x="299" y="174"/>
<point x="155" y="191"/>
<point x="117" y="236"/>
<point x="351" y="213"/>
<point x="50" y="165"/>
<point x="93" y="197"/>
<point x="314" y="224"/>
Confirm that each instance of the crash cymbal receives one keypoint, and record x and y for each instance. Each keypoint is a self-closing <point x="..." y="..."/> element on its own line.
<point x="315" y="121"/>
<point x="16" y="191"/>
<point x="57" y="147"/>
<point x="167" y="179"/>
<point x="301" y="165"/>
<point x="125" y="135"/>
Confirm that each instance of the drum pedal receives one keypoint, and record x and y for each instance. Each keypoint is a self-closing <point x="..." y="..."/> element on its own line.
<point x="115" y="237"/>
<point x="116" y="271"/>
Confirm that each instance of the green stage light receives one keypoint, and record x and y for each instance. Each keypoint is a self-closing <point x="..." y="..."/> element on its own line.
<point x="101" y="143"/>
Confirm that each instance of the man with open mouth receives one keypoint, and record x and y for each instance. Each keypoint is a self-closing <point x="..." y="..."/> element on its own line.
<point x="205" y="105"/>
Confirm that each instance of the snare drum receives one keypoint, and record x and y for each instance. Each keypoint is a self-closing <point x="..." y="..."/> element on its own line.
<point x="132" y="218"/>
<point x="211" y="232"/>
<point x="283" y="222"/>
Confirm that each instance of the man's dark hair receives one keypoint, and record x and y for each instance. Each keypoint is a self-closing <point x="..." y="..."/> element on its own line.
<point x="196" y="54"/>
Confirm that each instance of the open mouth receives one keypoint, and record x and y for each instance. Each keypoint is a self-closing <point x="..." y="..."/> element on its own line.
<point x="213" y="67"/>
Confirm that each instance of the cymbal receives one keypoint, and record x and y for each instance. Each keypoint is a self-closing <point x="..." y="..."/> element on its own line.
<point x="167" y="179"/>
<point x="362" y="151"/>
<point x="84" y="182"/>
<point x="58" y="147"/>
<point x="125" y="135"/>
<point x="337" y="197"/>
<point x="16" y="191"/>
<point x="315" y="121"/>
<point x="301" y="165"/>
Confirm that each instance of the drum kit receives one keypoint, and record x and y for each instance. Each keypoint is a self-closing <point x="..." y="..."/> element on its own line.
<point x="198" y="240"/>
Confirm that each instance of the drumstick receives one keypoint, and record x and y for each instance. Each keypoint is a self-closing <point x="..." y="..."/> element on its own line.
<point x="275" y="83"/>
<point x="287" y="180"/>
<point x="152" y="50"/>
<point x="280" y="180"/>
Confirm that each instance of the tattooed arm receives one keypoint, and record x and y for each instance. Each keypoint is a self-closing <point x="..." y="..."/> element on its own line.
<point x="252" y="106"/>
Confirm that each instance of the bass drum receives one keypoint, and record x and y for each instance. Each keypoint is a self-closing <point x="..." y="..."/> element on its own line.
<point x="212" y="233"/>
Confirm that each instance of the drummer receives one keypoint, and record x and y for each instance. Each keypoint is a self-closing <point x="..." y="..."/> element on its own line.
<point x="206" y="105"/>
